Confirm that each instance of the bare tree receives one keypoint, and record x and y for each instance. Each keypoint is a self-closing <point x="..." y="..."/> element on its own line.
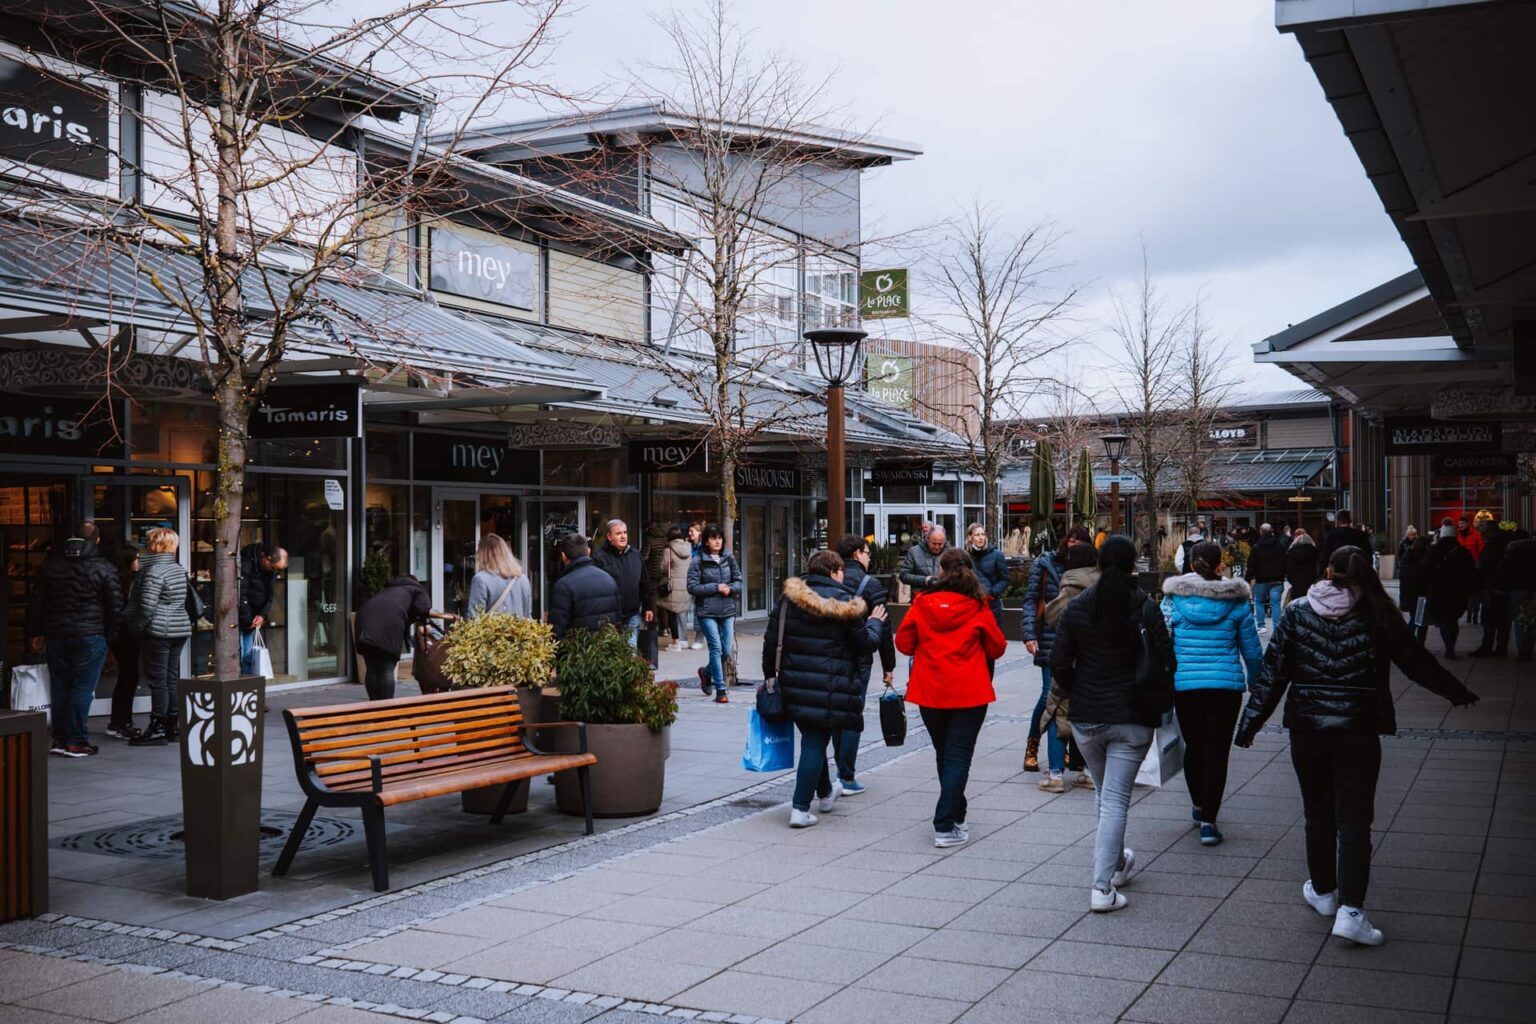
<point x="255" y="187"/>
<point x="1003" y="312"/>
<point x="1150" y="387"/>
<point x="1204" y="388"/>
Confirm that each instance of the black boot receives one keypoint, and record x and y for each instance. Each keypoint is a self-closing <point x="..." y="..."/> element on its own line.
<point x="172" y="728"/>
<point x="152" y="736"/>
<point x="122" y="730"/>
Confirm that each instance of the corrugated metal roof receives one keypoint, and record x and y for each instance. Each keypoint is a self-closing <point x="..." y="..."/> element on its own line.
<point x="1235" y="472"/>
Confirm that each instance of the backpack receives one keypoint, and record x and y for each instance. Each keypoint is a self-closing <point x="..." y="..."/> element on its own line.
<point x="1152" y="692"/>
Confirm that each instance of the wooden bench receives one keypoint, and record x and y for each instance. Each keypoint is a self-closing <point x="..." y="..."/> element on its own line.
<point x="374" y="754"/>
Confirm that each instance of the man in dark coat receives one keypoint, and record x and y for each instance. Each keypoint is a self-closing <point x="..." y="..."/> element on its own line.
<point x="637" y="592"/>
<point x="584" y="597"/>
<point x="76" y="602"/>
<point x="826" y="630"/>
<point x="1343" y="534"/>
<point x="1497" y="614"/>
<point x="259" y="566"/>
<point x="1516" y="578"/>
<point x="1266" y="571"/>
<point x="1452" y="578"/>
<point x="854" y="551"/>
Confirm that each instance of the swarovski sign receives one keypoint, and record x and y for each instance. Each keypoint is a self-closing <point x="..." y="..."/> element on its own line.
<point x="767" y="480"/>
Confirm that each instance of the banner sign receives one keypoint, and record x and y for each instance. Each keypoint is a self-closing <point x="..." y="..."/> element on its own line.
<point x="1235" y="435"/>
<point x="563" y="434"/>
<point x="55" y="426"/>
<point x="49" y="122"/>
<point x="882" y="294"/>
<point x="473" y="458"/>
<point x="668" y="455"/>
<point x="481" y="268"/>
<point x="767" y="480"/>
<point x="890" y="378"/>
<point x="885" y="474"/>
<point x="1484" y="464"/>
<point x="308" y="410"/>
<point x="1423" y="436"/>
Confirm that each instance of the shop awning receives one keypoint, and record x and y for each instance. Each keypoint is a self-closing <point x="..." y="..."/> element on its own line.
<point x="1228" y="474"/>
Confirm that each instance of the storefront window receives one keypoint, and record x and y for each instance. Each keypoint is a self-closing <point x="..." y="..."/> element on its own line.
<point x="902" y="494"/>
<point x="320" y="453"/>
<point x="387" y="520"/>
<point x="973" y="492"/>
<point x="683" y="509"/>
<point x="388" y="455"/>
<point x="586" y="468"/>
<point x="941" y="492"/>
<point x="421" y="533"/>
<point x="173" y="432"/>
<point x="1451" y="497"/>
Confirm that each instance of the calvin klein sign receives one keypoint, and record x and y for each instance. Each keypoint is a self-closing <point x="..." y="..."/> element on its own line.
<point x="668" y="455"/>
<point x="480" y="268"/>
<point x="473" y="458"/>
<point x="48" y="121"/>
<point x="308" y="410"/>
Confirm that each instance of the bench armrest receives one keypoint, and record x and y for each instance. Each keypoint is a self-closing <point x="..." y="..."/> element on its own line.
<point x="374" y="763"/>
<point x="581" y="735"/>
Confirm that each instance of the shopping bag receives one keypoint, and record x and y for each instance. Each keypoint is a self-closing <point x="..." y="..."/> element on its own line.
<point x="31" y="688"/>
<point x="428" y="665"/>
<point x="1165" y="758"/>
<point x="893" y="717"/>
<point x="261" y="656"/>
<point x="770" y="745"/>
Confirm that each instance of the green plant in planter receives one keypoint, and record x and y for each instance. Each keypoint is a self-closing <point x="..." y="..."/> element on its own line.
<point x="376" y="572"/>
<point x="500" y="650"/>
<point x="603" y="681"/>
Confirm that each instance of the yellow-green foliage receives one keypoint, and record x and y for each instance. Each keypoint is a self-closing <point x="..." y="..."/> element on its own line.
<point x="500" y="650"/>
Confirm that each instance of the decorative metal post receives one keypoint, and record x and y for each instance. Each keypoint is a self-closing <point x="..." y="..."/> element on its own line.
<point x="1114" y="447"/>
<point x="221" y="739"/>
<point x="837" y="357"/>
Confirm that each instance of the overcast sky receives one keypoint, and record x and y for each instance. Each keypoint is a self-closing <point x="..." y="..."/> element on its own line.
<point x="1194" y="124"/>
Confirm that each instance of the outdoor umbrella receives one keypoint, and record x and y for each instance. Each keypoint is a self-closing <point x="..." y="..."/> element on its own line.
<point x="1085" y="502"/>
<point x="1042" y="496"/>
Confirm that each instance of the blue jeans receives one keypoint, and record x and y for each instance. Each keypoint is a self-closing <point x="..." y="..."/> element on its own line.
<point x="1267" y="596"/>
<point x="247" y="645"/>
<point x="1113" y="753"/>
<point x="1045" y="691"/>
<point x="630" y="627"/>
<point x="720" y="634"/>
<point x="811" y="775"/>
<point x="845" y="746"/>
<point x="953" y="732"/>
<point x="74" y="666"/>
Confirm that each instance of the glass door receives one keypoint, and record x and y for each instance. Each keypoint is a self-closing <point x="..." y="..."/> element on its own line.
<point x="453" y="556"/>
<point x="34" y="515"/>
<point x="769" y="552"/>
<point x="549" y="520"/>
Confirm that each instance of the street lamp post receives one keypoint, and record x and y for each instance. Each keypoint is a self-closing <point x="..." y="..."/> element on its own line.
<point x="1114" y="447"/>
<point x="836" y="350"/>
<point x="1300" y="499"/>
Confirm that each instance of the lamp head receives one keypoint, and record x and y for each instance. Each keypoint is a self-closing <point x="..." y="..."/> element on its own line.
<point x="836" y="350"/>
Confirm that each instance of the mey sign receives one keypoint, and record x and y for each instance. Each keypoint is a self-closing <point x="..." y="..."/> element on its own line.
<point x="482" y="269"/>
<point x="668" y="456"/>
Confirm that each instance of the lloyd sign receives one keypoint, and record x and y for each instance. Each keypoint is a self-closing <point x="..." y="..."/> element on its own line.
<point x="668" y="455"/>
<point x="308" y="410"/>
<point x="1235" y="435"/>
<point x="49" y="122"/>
<point x="481" y="268"/>
<point x="473" y="459"/>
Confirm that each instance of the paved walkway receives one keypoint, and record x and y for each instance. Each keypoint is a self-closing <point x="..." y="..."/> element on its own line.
<point x="717" y="911"/>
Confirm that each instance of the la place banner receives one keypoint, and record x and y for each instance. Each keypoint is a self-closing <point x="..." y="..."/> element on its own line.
<point x="1419" y="435"/>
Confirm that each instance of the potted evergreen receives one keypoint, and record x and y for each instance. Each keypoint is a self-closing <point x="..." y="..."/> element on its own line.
<point x="606" y="684"/>
<point x="501" y="650"/>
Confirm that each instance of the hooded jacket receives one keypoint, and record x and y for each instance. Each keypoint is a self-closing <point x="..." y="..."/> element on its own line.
<point x="1214" y="637"/>
<point x="705" y="574"/>
<point x="950" y="636"/>
<point x="676" y="559"/>
<point x="1096" y="667"/>
<point x="1517" y="571"/>
<point x="584" y="597"/>
<point x="1451" y="579"/>
<point x="1301" y="566"/>
<point x="825" y="632"/>
<point x="77" y="593"/>
<point x="1039" y="591"/>
<point x="1334" y="673"/>
<point x="157" y="604"/>
<point x="384" y="620"/>
<point x="1073" y="583"/>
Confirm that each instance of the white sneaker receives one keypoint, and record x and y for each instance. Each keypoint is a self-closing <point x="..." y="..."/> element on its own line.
<point x="1325" y="903"/>
<point x="1123" y="875"/>
<point x="695" y="646"/>
<point x="824" y="803"/>
<point x="801" y="819"/>
<point x="954" y="837"/>
<point x="1104" y="902"/>
<point x="964" y="830"/>
<point x="1352" y="924"/>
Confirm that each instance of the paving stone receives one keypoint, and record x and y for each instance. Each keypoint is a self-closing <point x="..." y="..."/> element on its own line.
<point x="1260" y="943"/>
<point x="1006" y="920"/>
<point x="113" y="996"/>
<point x="1305" y="1011"/>
<point x="1363" y="987"/>
<point x="1170" y="1004"/>
<point x="707" y="949"/>
<point x="649" y="909"/>
<point x="1066" y="995"/>
<point x="871" y="936"/>
<point x="520" y="962"/>
<point x="862" y="1006"/>
<point x="22" y="977"/>
<point x="635" y="977"/>
<point x="888" y="908"/>
<point x="766" y="924"/>
<point x="1234" y="974"/>
<point x="1497" y="965"/>
<point x="488" y="922"/>
<point x="235" y="1007"/>
<point x="983" y="948"/>
<point x="417" y="948"/>
<point x="1494" y="1000"/>
<point x="940" y="979"/>
<point x="783" y="998"/>
<point x="1099" y="961"/>
<point x="813" y="963"/>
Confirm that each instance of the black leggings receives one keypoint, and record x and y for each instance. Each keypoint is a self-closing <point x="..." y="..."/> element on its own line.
<point x="379" y="677"/>
<point x="1207" y="718"/>
<point x="671" y="621"/>
<point x="1338" y="772"/>
<point x="126" y="651"/>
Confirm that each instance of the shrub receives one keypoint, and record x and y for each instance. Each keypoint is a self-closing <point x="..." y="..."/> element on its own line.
<point x="603" y="681"/>
<point x="499" y="650"/>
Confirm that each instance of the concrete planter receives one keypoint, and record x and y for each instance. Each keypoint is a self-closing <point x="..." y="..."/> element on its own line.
<point x="1012" y="622"/>
<point x="630" y="774"/>
<point x="1388" y="566"/>
<point x="484" y="800"/>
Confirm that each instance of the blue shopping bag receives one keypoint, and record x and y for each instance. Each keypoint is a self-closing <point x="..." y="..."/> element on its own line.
<point x="770" y="745"/>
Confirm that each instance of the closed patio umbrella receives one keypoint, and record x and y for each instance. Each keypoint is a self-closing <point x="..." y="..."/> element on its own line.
<point x="1085" y="501"/>
<point x="1042" y="496"/>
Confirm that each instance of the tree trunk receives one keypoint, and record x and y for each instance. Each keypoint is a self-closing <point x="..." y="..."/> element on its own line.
<point x="728" y="497"/>
<point x="229" y="500"/>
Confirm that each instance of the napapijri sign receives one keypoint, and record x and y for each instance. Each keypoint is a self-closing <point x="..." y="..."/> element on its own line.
<point x="668" y="455"/>
<point x="767" y="480"/>
<point x="481" y="268"/>
<point x="1420" y="436"/>
<point x="49" y="122"/>
<point x="308" y="410"/>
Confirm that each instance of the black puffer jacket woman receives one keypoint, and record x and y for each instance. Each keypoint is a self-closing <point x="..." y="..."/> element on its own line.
<point x="1412" y="574"/>
<point x="1330" y="658"/>
<point x="1300" y="565"/>
<point x="1097" y="668"/>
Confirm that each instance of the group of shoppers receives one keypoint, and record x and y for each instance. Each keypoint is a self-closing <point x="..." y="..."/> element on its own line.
<point x="1473" y="568"/>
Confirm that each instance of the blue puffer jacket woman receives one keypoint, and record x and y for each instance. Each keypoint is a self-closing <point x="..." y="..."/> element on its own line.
<point x="1216" y="647"/>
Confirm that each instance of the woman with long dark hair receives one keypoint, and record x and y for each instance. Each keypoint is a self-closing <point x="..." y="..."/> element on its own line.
<point x="1118" y="697"/>
<point x="1331" y="657"/>
<point x="953" y="637"/>
<point x="1043" y="585"/>
<point x="1216" y="644"/>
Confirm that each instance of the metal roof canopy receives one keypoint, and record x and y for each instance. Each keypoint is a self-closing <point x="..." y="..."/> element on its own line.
<point x="1437" y="98"/>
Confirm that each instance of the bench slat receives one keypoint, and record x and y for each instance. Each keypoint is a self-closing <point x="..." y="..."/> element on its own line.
<point x="456" y="750"/>
<point x="466" y="696"/>
<point x="489" y="776"/>
<point x="366" y="713"/>
<point x="421" y="769"/>
<point x="411" y="733"/>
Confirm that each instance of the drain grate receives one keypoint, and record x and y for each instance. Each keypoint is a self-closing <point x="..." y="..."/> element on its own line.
<point x="161" y="838"/>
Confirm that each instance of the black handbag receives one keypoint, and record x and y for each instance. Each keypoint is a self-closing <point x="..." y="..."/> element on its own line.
<point x="196" y="607"/>
<point x="1152" y="692"/>
<point x="893" y="717"/>
<point x="770" y="699"/>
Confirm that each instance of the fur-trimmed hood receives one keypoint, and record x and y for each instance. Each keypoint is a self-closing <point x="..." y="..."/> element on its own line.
<point x="799" y="593"/>
<point x="1192" y="584"/>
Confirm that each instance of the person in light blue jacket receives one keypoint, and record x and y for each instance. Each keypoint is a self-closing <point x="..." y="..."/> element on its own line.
<point x="1216" y="645"/>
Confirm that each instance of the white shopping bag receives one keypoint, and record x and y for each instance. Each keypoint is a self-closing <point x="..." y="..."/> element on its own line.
<point x="31" y="688"/>
<point x="261" y="656"/>
<point x="1165" y="759"/>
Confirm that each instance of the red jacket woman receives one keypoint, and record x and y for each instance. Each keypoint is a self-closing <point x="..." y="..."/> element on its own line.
<point x="951" y="632"/>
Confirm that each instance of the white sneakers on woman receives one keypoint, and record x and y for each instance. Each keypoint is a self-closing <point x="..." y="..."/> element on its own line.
<point x="801" y="819"/>
<point x="1101" y="902"/>
<point x="1325" y="903"/>
<point x="1349" y="923"/>
<point x="1104" y="902"/>
<point x="824" y="803"/>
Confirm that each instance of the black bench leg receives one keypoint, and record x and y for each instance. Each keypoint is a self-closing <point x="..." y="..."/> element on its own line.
<point x="373" y="825"/>
<point x="295" y="838"/>
<point x="505" y="801"/>
<point x="585" y="778"/>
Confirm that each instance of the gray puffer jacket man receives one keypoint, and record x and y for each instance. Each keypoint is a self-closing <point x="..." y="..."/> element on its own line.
<point x="919" y="567"/>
